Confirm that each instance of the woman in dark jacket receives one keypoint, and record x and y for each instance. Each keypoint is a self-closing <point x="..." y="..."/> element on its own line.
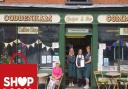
<point x="87" y="66"/>
<point x="71" y="66"/>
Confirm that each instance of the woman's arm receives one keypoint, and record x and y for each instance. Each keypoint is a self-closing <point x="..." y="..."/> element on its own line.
<point x="53" y="76"/>
<point x="60" y="74"/>
<point x="76" y="62"/>
<point x="89" y="61"/>
<point x="82" y="57"/>
<point x="70" y="58"/>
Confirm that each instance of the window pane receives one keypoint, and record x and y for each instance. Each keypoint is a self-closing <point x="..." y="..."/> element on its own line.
<point x="36" y="43"/>
<point x="28" y="37"/>
<point x="49" y="35"/>
<point x="112" y="46"/>
<point x="7" y="45"/>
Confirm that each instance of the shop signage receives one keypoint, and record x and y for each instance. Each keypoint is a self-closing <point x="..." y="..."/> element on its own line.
<point x="113" y="19"/>
<point x="27" y="30"/>
<point x="29" y="18"/>
<point x="77" y="30"/>
<point x="78" y="18"/>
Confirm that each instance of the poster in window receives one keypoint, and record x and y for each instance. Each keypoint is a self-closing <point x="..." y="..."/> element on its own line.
<point x="49" y="59"/>
<point x="123" y="31"/>
<point x="56" y="58"/>
<point x="55" y="45"/>
<point x="43" y="60"/>
<point x="106" y="61"/>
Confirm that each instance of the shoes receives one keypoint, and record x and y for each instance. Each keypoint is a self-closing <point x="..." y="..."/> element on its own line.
<point x="72" y="84"/>
<point x="86" y="87"/>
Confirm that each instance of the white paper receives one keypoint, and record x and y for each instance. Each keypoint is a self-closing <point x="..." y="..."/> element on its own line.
<point x="102" y="46"/>
<point x="49" y="59"/>
<point x="43" y="60"/>
<point x="100" y="59"/>
<point x="56" y="58"/>
<point x="82" y="63"/>
<point x="106" y="61"/>
<point x="55" y="45"/>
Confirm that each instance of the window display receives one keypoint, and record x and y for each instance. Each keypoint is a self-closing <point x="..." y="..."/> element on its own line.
<point x="34" y="42"/>
<point x="113" y="47"/>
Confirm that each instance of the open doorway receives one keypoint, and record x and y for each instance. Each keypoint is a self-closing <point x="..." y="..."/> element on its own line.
<point x="77" y="42"/>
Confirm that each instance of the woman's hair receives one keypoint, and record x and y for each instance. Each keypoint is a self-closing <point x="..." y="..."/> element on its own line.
<point x="88" y="47"/>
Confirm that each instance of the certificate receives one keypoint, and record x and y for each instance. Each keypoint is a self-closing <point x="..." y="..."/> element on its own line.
<point x="82" y="63"/>
<point x="49" y="59"/>
<point x="43" y="60"/>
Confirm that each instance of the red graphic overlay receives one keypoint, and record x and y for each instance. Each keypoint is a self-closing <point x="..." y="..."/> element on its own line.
<point x="18" y="76"/>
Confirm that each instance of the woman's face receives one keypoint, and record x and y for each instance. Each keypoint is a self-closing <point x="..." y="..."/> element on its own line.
<point x="88" y="49"/>
<point x="57" y="65"/>
<point x="80" y="51"/>
<point x="71" y="50"/>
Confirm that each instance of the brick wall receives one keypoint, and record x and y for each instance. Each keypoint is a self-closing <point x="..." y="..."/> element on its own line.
<point x="36" y="1"/>
<point x="110" y="1"/>
<point x="63" y="1"/>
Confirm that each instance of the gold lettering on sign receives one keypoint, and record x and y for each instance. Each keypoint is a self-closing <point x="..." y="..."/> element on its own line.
<point x="41" y="18"/>
<point x="117" y="18"/>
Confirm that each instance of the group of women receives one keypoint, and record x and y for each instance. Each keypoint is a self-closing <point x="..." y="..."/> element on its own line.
<point x="79" y="67"/>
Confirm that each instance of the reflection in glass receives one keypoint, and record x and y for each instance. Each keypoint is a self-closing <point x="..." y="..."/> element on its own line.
<point x="31" y="41"/>
<point x="116" y="48"/>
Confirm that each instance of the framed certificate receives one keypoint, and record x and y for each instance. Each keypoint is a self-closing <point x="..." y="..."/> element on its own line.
<point x="82" y="63"/>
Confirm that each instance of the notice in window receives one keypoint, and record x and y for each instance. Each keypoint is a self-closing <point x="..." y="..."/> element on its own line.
<point x="56" y="58"/>
<point x="43" y="60"/>
<point x="102" y="46"/>
<point x="106" y="61"/>
<point x="55" y="45"/>
<point x="49" y="59"/>
<point x="123" y="31"/>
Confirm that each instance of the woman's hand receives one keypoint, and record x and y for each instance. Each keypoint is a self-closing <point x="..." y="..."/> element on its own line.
<point x="78" y="66"/>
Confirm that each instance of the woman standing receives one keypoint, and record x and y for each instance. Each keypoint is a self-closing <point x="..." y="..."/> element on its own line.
<point x="71" y="67"/>
<point x="80" y="66"/>
<point x="87" y="66"/>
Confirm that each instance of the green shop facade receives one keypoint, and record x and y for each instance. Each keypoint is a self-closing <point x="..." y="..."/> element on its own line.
<point x="40" y="33"/>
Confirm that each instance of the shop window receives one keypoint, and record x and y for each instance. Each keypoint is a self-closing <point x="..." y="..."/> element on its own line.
<point x="113" y="47"/>
<point x="38" y="43"/>
<point x="7" y="36"/>
<point x="78" y="2"/>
